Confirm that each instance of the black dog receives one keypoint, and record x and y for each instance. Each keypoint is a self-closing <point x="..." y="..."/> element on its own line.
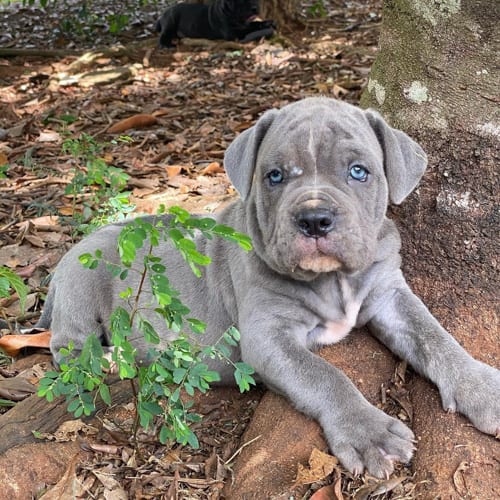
<point x="223" y="19"/>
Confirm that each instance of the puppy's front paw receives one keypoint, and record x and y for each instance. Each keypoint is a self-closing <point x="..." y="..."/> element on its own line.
<point x="475" y="394"/>
<point x="367" y="438"/>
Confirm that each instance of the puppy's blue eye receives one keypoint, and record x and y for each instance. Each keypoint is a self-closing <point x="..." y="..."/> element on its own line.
<point x="275" y="176"/>
<point x="358" y="173"/>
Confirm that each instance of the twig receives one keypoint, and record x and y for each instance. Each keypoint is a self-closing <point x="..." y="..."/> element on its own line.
<point x="240" y="449"/>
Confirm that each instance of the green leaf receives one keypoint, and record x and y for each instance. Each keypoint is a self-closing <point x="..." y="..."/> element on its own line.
<point x="196" y="325"/>
<point x="243" y="380"/>
<point x="4" y="287"/>
<point x="228" y="339"/>
<point x="125" y="371"/>
<point x="149" y="332"/>
<point x="180" y="214"/>
<point x="85" y="258"/>
<point x="7" y="402"/>
<point x="165" y="435"/>
<point x="179" y="374"/>
<point x="120" y="325"/>
<point x="73" y="405"/>
<point x="126" y="294"/>
<point x="211" y="376"/>
<point x="203" y="224"/>
<point x="105" y="394"/>
<point x="193" y="440"/>
<point x="9" y="279"/>
<point x="113" y="269"/>
<point x="158" y="268"/>
<point x="175" y="235"/>
<point x="224" y="351"/>
<point x="234" y="333"/>
<point x="130" y="239"/>
<point x="244" y="368"/>
<point x="230" y="234"/>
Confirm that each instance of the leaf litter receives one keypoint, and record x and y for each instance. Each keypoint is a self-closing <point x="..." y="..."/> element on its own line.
<point x="182" y="109"/>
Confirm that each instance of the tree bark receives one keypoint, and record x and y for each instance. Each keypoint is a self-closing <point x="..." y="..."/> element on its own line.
<point x="436" y="77"/>
<point x="37" y="414"/>
<point x="285" y="13"/>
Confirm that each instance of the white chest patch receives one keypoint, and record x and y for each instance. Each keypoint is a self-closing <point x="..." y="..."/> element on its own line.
<point x="335" y="331"/>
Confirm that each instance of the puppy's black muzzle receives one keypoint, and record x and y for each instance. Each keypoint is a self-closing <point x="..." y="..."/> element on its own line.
<point x="315" y="222"/>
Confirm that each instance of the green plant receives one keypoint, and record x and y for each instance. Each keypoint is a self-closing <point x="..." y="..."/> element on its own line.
<point x="172" y="368"/>
<point x="3" y="171"/>
<point x="64" y="119"/>
<point x="96" y="183"/>
<point x="9" y="279"/>
<point x="317" y="9"/>
<point x="83" y="19"/>
<point x="117" y="22"/>
<point x="6" y="402"/>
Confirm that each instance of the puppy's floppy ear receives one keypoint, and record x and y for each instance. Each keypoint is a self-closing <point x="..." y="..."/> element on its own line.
<point x="241" y="155"/>
<point x="404" y="160"/>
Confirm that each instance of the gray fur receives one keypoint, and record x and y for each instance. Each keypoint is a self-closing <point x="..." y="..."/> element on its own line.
<point x="306" y="283"/>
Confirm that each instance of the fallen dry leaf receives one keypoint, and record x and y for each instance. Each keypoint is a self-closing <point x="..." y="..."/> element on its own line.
<point x="173" y="170"/>
<point x="321" y="465"/>
<point x="387" y="485"/>
<point x="378" y="487"/>
<point x="112" y="488"/>
<point x="337" y="488"/>
<point x="45" y="220"/>
<point x="136" y="121"/>
<point x="459" y="480"/>
<point x="13" y="309"/>
<point x="12" y="344"/>
<point x="67" y="211"/>
<point x="111" y="449"/>
<point x="49" y="137"/>
<point x="212" y="168"/>
<point x="162" y="112"/>
<point x="325" y="493"/>
<point x="35" y="240"/>
<point x="70" y="430"/>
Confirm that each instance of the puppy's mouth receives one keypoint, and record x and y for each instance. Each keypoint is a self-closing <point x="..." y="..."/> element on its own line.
<point x="253" y="18"/>
<point x="315" y="254"/>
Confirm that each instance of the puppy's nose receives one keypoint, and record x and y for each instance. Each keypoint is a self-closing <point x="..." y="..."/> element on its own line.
<point x="315" y="222"/>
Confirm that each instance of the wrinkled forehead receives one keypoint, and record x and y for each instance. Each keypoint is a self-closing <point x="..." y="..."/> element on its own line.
<point x="310" y="134"/>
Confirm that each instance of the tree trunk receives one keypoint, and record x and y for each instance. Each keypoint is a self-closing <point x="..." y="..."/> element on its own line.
<point x="436" y="77"/>
<point x="285" y="13"/>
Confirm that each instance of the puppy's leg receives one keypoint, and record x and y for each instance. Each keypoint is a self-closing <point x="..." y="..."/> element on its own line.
<point x="257" y="35"/>
<point x="167" y="26"/>
<point x="71" y="320"/>
<point x="359" y="434"/>
<point x="466" y="385"/>
<point x="65" y="330"/>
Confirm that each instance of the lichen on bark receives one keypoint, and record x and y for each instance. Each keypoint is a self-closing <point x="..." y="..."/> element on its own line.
<point x="428" y="46"/>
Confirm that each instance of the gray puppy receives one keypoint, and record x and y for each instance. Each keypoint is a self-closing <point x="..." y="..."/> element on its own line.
<point x="315" y="179"/>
